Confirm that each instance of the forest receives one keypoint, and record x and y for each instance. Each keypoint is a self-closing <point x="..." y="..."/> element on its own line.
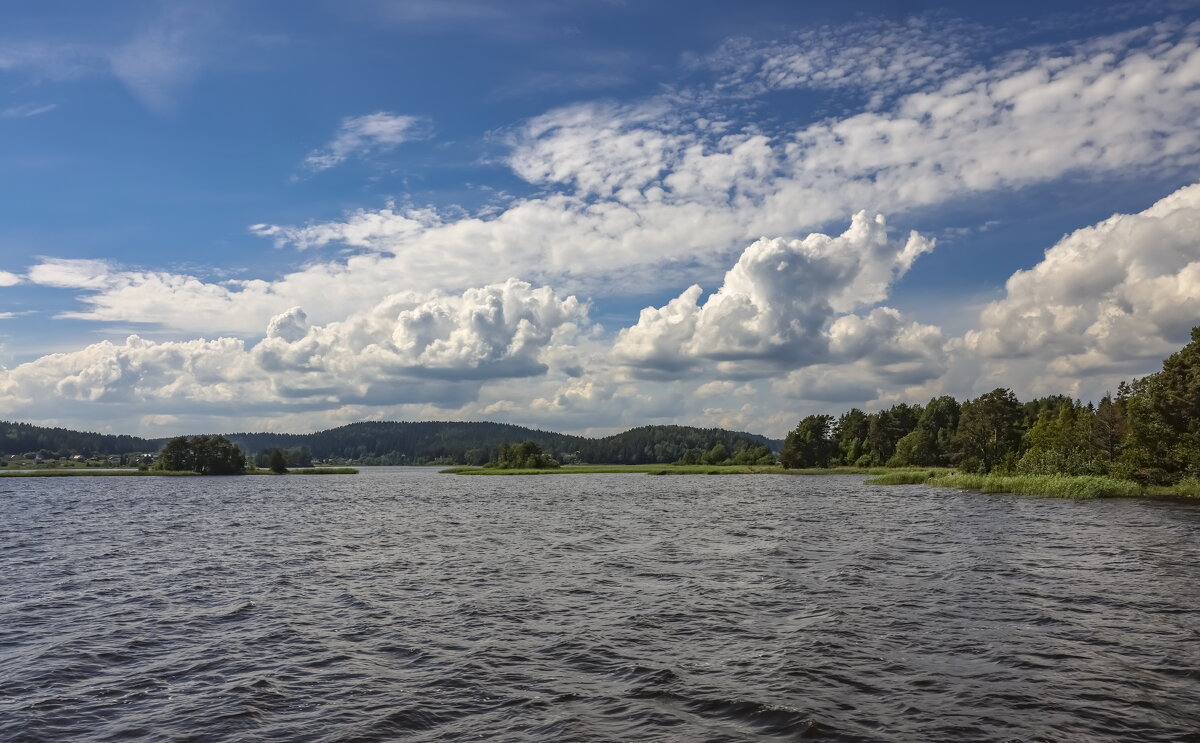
<point x="1148" y="432"/>
<point x="391" y="443"/>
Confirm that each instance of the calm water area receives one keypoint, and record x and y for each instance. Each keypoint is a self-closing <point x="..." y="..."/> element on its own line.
<point x="401" y="604"/>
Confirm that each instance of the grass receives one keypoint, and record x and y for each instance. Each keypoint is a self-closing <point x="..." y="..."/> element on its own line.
<point x="644" y="469"/>
<point x="680" y="469"/>
<point x="1187" y="488"/>
<point x="1049" y="486"/>
<point x="1046" y="486"/>
<point x="908" y="477"/>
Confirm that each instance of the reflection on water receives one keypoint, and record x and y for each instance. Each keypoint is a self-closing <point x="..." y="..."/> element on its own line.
<point x="406" y="604"/>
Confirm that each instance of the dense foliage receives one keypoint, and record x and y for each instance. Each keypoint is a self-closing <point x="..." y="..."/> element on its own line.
<point x="206" y="455"/>
<point x="23" y="438"/>
<point x="481" y="442"/>
<point x="524" y="456"/>
<point x="1148" y="432"/>
<point x="414" y="443"/>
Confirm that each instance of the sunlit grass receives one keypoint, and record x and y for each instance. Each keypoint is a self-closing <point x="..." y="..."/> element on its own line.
<point x="683" y="469"/>
<point x="1050" y="486"/>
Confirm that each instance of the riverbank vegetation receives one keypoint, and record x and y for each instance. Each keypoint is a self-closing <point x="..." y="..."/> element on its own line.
<point x="204" y="455"/>
<point x="1051" y="486"/>
<point x="1145" y="436"/>
<point x="688" y="469"/>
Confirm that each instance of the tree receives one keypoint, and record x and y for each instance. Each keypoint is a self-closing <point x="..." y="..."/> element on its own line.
<point x="988" y="429"/>
<point x="204" y="454"/>
<point x="1110" y="427"/>
<point x="1164" y="419"/>
<point x="716" y="455"/>
<point x="810" y="444"/>
<point x="850" y="433"/>
<point x="278" y="462"/>
<point x="176" y="455"/>
<point x="526" y="455"/>
<point x="1062" y="443"/>
<point x="928" y="444"/>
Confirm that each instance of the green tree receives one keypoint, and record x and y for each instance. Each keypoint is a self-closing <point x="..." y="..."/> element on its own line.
<point x="525" y="455"/>
<point x="810" y="444"/>
<point x="929" y="444"/>
<point x="277" y="462"/>
<point x="1164" y="419"/>
<point x="849" y="433"/>
<point x="1110" y="427"/>
<point x="176" y="455"/>
<point x="988" y="429"/>
<point x="716" y="455"/>
<point x="204" y="454"/>
<point x="1062" y="443"/>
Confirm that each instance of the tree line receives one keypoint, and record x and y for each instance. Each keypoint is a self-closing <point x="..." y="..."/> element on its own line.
<point x="1149" y="431"/>
<point x="477" y="443"/>
<point x="401" y="442"/>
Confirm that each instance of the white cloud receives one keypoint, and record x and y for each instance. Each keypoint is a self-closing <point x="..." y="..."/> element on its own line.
<point x="27" y="110"/>
<point x="876" y="56"/>
<point x="9" y="279"/>
<point x="634" y="191"/>
<point x="777" y="302"/>
<point x="409" y="349"/>
<point x="165" y="56"/>
<point x="1124" y="291"/>
<point x="358" y="135"/>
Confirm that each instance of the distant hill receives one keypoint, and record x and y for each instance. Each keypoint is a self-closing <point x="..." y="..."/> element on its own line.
<point x="22" y="438"/>
<point x="476" y="443"/>
<point x="412" y="442"/>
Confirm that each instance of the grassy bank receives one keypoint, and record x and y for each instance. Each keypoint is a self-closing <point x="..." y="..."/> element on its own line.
<point x="1045" y="486"/>
<point x="683" y="469"/>
<point x="622" y="469"/>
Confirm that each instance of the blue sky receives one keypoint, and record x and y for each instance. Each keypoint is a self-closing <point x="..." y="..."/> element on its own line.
<point x="310" y="213"/>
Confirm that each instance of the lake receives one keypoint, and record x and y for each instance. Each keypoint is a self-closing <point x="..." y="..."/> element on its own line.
<point x="404" y="604"/>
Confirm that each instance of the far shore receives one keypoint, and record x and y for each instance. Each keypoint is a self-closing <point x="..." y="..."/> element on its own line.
<point x="82" y="472"/>
<point x="669" y="469"/>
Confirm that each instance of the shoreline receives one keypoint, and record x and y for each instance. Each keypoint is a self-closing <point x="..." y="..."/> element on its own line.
<point x="81" y="472"/>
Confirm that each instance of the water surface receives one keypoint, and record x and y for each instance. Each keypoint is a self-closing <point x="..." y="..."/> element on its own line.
<point x="403" y="604"/>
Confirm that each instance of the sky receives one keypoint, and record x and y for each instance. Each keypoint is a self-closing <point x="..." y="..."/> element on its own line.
<point x="586" y="216"/>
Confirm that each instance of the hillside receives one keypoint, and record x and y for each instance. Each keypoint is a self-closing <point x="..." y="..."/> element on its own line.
<point x="476" y="443"/>
<point x="410" y="442"/>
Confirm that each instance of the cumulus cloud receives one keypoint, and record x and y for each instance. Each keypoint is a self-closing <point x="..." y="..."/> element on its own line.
<point x="408" y="349"/>
<point x="1124" y="290"/>
<point x="777" y="302"/>
<point x="9" y="279"/>
<point x="358" y="135"/>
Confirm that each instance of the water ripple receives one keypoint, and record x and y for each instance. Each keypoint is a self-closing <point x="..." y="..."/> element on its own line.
<point x="400" y="604"/>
